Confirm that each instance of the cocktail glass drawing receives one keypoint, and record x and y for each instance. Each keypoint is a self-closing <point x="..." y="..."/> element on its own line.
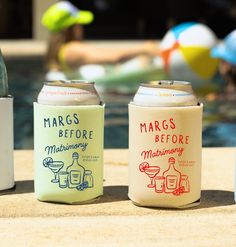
<point x="55" y="167"/>
<point x="151" y="171"/>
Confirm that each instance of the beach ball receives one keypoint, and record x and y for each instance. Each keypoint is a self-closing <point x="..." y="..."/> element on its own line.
<point x="185" y="52"/>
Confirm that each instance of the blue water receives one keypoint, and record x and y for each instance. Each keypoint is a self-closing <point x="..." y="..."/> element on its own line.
<point x="26" y="78"/>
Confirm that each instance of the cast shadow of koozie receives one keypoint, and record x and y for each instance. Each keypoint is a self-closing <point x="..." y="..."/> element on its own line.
<point x="21" y="187"/>
<point x="216" y="198"/>
<point x="114" y="193"/>
<point x="24" y="186"/>
<point x="110" y="193"/>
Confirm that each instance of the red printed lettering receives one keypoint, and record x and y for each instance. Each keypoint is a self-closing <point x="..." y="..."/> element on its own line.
<point x="172" y="124"/>
<point x="143" y="126"/>
<point x="187" y="139"/>
<point x="166" y="138"/>
<point x="165" y="125"/>
<point x="150" y="129"/>
<point x="157" y="126"/>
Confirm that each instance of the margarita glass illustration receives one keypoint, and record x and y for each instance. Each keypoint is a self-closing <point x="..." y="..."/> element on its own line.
<point x="151" y="171"/>
<point x="54" y="166"/>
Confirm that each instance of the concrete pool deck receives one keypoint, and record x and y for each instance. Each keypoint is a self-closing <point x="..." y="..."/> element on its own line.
<point x="114" y="220"/>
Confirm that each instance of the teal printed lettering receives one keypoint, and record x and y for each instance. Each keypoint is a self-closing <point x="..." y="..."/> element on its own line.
<point x="68" y="120"/>
<point x="60" y="119"/>
<point x="78" y="134"/>
<point x="57" y="121"/>
<point x="54" y="122"/>
<point x="52" y="149"/>
<point x="76" y="119"/>
<point x="46" y="122"/>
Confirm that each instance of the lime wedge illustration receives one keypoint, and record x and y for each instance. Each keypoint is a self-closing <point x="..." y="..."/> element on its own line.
<point x="143" y="166"/>
<point x="47" y="161"/>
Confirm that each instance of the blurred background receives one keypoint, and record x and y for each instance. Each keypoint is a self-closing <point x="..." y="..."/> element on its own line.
<point x="23" y="41"/>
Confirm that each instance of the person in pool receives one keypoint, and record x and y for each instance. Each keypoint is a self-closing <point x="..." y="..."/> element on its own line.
<point x="66" y="49"/>
<point x="226" y="52"/>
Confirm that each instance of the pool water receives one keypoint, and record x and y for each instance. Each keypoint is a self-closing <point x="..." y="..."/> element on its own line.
<point x="26" y="78"/>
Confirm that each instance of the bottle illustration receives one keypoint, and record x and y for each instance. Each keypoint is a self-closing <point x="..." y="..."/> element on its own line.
<point x="75" y="172"/>
<point x="172" y="177"/>
<point x="75" y="176"/>
<point x="184" y="184"/>
<point x="88" y="178"/>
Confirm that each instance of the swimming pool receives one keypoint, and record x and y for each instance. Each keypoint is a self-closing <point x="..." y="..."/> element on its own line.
<point x="26" y="76"/>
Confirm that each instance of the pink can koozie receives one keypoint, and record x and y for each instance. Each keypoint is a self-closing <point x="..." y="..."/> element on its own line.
<point x="165" y="141"/>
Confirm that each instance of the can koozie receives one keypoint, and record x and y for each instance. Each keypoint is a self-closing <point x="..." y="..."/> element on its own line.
<point x="68" y="148"/>
<point x="6" y="144"/>
<point x="165" y="155"/>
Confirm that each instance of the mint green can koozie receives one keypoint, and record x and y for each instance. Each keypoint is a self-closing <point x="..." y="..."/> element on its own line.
<point x="68" y="146"/>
